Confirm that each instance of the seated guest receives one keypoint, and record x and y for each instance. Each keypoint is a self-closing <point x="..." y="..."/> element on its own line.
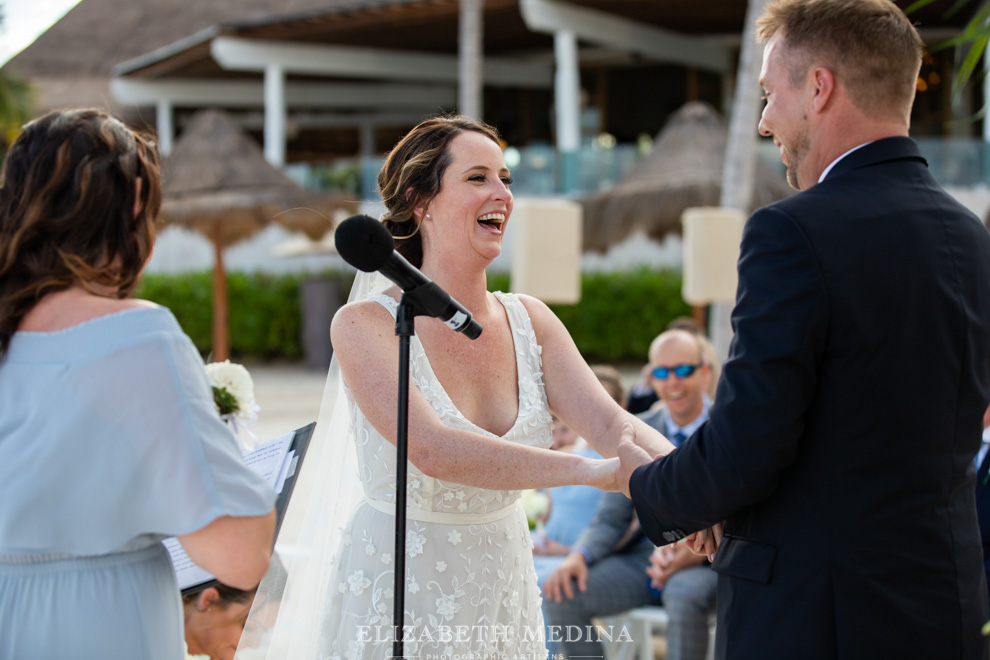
<point x="215" y="617"/>
<point x="571" y="507"/>
<point x="642" y="395"/>
<point x="612" y="565"/>
<point x="109" y="439"/>
<point x="983" y="493"/>
<point x="214" y="620"/>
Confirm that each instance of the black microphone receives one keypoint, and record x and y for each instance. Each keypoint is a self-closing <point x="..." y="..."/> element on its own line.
<point x="367" y="245"/>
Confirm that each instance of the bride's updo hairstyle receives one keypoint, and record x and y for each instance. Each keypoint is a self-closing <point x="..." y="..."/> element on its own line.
<point x="412" y="174"/>
<point x="67" y="193"/>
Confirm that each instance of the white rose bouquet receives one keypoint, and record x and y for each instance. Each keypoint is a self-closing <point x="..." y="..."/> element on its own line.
<point x="535" y="503"/>
<point x="233" y="395"/>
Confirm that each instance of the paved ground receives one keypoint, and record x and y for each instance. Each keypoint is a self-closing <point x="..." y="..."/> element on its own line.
<point x="289" y="397"/>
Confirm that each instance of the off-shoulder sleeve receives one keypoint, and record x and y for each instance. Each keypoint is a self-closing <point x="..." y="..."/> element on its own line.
<point x="124" y="444"/>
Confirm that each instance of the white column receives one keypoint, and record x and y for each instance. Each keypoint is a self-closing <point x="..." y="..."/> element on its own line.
<point x="567" y="91"/>
<point x="165" y="126"/>
<point x="470" y="54"/>
<point x="275" y="115"/>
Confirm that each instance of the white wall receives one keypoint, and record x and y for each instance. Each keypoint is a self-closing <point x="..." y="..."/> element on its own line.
<point x="178" y="250"/>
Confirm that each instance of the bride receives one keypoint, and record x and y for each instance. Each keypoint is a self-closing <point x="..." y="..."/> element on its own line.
<point x="479" y="428"/>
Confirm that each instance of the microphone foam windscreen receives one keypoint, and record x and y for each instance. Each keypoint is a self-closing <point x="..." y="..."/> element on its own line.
<point x="364" y="243"/>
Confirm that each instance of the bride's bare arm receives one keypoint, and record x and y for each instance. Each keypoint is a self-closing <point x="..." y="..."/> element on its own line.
<point x="366" y="348"/>
<point x="575" y="394"/>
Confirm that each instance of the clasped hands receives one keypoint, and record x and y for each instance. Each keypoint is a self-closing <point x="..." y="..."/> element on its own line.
<point x="631" y="456"/>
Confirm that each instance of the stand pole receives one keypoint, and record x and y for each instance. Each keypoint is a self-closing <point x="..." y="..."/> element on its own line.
<point x="405" y="328"/>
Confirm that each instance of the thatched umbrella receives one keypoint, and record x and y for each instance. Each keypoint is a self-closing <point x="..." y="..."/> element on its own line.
<point x="217" y="181"/>
<point x="684" y="169"/>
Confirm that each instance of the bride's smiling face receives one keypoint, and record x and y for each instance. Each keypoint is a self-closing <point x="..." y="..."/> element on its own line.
<point x="471" y="211"/>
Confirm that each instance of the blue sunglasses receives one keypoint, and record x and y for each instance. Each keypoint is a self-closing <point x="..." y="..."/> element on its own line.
<point x="681" y="371"/>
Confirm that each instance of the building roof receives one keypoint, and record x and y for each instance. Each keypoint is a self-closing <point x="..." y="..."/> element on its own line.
<point x="70" y="63"/>
<point x="97" y="34"/>
<point x="683" y="170"/>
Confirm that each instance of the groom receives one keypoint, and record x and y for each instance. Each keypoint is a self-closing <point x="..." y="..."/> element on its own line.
<point x="839" y="450"/>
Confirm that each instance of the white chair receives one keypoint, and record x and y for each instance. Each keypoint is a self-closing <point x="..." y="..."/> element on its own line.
<point x="642" y="623"/>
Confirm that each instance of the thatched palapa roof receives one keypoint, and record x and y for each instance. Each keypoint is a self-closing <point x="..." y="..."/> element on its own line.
<point x="95" y="35"/>
<point x="683" y="170"/>
<point x="217" y="180"/>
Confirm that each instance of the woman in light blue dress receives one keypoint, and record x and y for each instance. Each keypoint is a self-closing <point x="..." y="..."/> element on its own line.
<point x="109" y="441"/>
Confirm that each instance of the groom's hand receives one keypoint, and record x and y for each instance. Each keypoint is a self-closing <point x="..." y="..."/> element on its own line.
<point x="631" y="456"/>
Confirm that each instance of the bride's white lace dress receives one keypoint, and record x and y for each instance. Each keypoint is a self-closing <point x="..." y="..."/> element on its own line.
<point x="470" y="583"/>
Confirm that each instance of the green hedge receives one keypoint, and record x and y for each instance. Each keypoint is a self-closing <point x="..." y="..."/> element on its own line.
<point x="619" y="314"/>
<point x="263" y="317"/>
<point x="617" y="317"/>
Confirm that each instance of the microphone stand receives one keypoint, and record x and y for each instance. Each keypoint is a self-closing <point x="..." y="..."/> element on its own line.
<point x="418" y="301"/>
<point x="405" y="327"/>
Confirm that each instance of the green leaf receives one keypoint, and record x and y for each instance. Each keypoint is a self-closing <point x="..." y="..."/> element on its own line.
<point x="226" y="402"/>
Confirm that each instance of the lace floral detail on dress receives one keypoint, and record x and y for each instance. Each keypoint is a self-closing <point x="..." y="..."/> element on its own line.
<point x="470" y="585"/>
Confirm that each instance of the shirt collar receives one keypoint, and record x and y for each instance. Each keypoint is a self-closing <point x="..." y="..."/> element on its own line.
<point x="691" y="427"/>
<point x="832" y="164"/>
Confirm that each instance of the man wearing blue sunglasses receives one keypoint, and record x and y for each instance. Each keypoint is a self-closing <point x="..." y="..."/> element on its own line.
<point x="606" y="571"/>
<point x="680" y="377"/>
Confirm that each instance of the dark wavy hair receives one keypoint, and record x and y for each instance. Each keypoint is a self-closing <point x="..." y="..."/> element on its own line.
<point x="67" y="197"/>
<point x="412" y="174"/>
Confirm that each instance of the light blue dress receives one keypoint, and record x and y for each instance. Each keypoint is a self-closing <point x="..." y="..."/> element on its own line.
<point x="109" y="442"/>
<point x="571" y="509"/>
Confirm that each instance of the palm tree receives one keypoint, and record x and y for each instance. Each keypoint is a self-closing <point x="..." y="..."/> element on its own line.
<point x="970" y="44"/>
<point x="740" y="153"/>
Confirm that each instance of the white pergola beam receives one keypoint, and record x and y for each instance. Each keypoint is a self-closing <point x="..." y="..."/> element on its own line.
<point x="237" y="54"/>
<point x="602" y="28"/>
<point x="276" y="115"/>
<point x="362" y="121"/>
<point x="249" y="94"/>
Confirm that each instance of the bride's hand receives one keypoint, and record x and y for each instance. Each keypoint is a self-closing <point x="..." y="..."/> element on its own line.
<point x="600" y="473"/>
<point x="705" y="542"/>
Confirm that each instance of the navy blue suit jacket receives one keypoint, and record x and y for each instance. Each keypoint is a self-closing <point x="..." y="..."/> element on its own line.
<point x="840" y="446"/>
<point x="983" y="511"/>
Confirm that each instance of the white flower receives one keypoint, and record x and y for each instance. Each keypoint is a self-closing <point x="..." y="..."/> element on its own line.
<point x="414" y="543"/>
<point x="358" y="582"/>
<point x="235" y="379"/>
<point x="233" y="396"/>
<point x="441" y="566"/>
<point x="370" y="549"/>
<point x="535" y="503"/>
<point x="453" y="537"/>
<point x="447" y="607"/>
<point x="386" y="558"/>
<point x="413" y="586"/>
<point x="342" y="587"/>
<point x="355" y="650"/>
